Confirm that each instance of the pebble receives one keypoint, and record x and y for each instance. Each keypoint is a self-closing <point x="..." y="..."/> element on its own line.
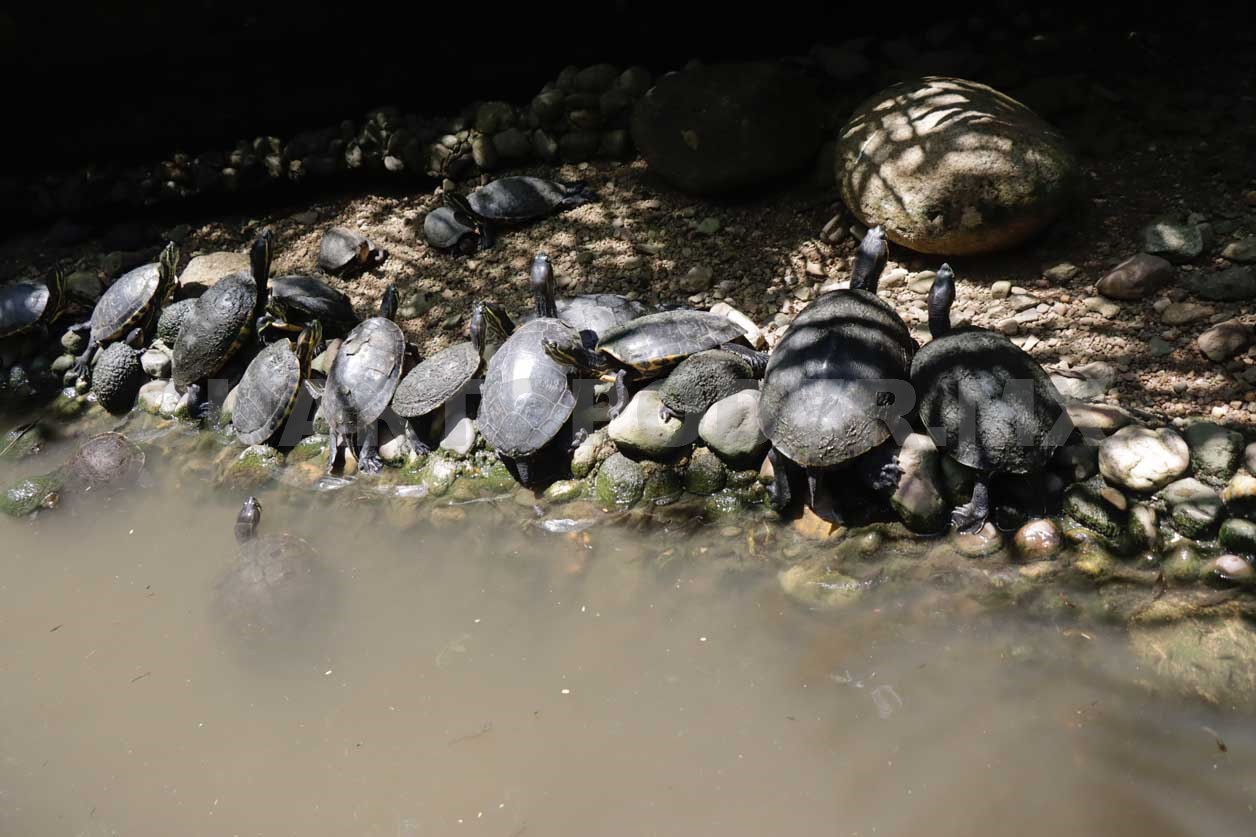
<point x="921" y="282"/>
<point x="1243" y="250"/>
<point x="698" y="279"/>
<point x="1060" y="273"/>
<point x="460" y="439"/>
<point x="1176" y="241"/>
<point x="1038" y="540"/>
<point x="1101" y="306"/>
<point x="1224" y="341"/>
<point x="708" y="226"/>
<point x="1001" y="289"/>
<point x="156" y="363"/>
<point x="1180" y="313"/>
<point x="1136" y="277"/>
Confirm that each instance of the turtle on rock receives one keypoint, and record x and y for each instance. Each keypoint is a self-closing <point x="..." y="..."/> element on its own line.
<point x="986" y="401"/>
<point x="517" y="200"/>
<point x="591" y="314"/>
<point x="268" y="391"/>
<point x="297" y="301"/>
<point x="30" y="306"/>
<point x="702" y="379"/>
<point x="118" y="374"/>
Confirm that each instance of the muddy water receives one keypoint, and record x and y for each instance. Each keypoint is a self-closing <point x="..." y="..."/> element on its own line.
<point x="491" y="678"/>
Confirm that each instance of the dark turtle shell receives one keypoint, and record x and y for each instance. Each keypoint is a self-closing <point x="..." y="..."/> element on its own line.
<point x="105" y="459"/>
<point x="436" y="380"/>
<point x="596" y="313"/>
<point x="996" y="405"/>
<point x="525" y="198"/>
<point x="817" y="405"/>
<point x="364" y="375"/>
<point x="215" y="329"/>
<point x="171" y="320"/>
<point x="23" y="305"/>
<point x="658" y="341"/>
<point x="266" y="393"/>
<point x="702" y="379"/>
<point x="443" y="230"/>
<point x="525" y="399"/>
<point x="342" y="249"/>
<point x="117" y="377"/>
<point x="125" y="303"/>
<point x="303" y="299"/>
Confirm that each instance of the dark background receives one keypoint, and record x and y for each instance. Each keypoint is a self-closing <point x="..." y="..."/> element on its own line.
<point x="136" y="80"/>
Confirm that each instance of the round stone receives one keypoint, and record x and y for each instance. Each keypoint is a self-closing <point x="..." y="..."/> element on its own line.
<point x="1038" y="540"/>
<point x="638" y="428"/>
<point x="919" y="498"/>
<point x="731" y="427"/>
<point x="1193" y="507"/>
<point x="1136" y="277"/>
<point x="620" y="482"/>
<point x="1142" y="459"/>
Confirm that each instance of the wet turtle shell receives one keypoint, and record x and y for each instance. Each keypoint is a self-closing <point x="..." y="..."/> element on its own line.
<point x="106" y="459"/>
<point x="659" y="341"/>
<point x="342" y="249"/>
<point x="266" y="393"/>
<point x="444" y="230"/>
<point x="816" y="406"/>
<point x="364" y="375"/>
<point x="213" y="332"/>
<point x="24" y="305"/>
<point x="702" y="379"/>
<point x="525" y="397"/>
<point x="303" y="299"/>
<point x="171" y="320"/>
<point x="436" y="380"/>
<point x="117" y="377"/>
<point x="514" y="199"/>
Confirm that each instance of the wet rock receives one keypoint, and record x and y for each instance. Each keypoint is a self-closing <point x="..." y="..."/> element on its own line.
<point x="1176" y="241"/>
<point x="1193" y="507"/>
<point x="1233" y="569"/>
<point x="156" y="364"/>
<point x="438" y="475"/>
<point x="731" y="427"/>
<point x="564" y="491"/>
<point x="1209" y="659"/>
<point x="1086" y="503"/>
<point x="1229" y="285"/>
<point x="1224" y="340"/>
<point x="459" y="440"/>
<point x="1239" y="495"/>
<point x="1039" y="540"/>
<point x="816" y="583"/>
<point x="1136" y="277"/>
<point x="813" y="527"/>
<point x="662" y="484"/>
<point x="1215" y="451"/>
<point x="727" y="127"/>
<point x="1142" y="459"/>
<point x="204" y="271"/>
<point x="984" y="181"/>
<point x="723" y="505"/>
<point x="620" y="482"/>
<point x="1142" y="528"/>
<point x="595" y="448"/>
<point x="1077" y="462"/>
<point x="307" y="450"/>
<point x="639" y="429"/>
<point x="251" y="469"/>
<point x="1238" y="535"/>
<point x="1181" y="313"/>
<point x="919" y="497"/>
<point x="31" y="494"/>
<point x="980" y="544"/>
<point x="1242" y="251"/>
<point x="396" y="451"/>
<point x="705" y="473"/>
<point x="1182" y="564"/>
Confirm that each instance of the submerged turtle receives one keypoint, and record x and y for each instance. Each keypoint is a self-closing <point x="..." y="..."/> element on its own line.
<point x="105" y="462"/>
<point x="447" y="228"/>
<point x="516" y="200"/>
<point x="442" y="376"/>
<point x="222" y="321"/>
<point x="988" y="404"/>
<point x="591" y="314"/>
<point x="826" y="391"/>
<point x="130" y="303"/>
<point x="297" y="301"/>
<point x="342" y="250"/>
<point x="270" y="386"/>
<point x="700" y="380"/>
<point x="26" y="306"/>
<point x="525" y="399"/>
<point x="118" y="375"/>
<point x="276" y="592"/>
<point x="360" y="384"/>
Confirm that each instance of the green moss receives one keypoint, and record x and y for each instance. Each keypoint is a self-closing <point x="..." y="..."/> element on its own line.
<point x="723" y="505"/>
<point x="254" y="468"/>
<point x="620" y="482"/>
<point x="564" y="491"/>
<point x="705" y="473"/>
<point x="311" y="447"/>
<point x="32" y="494"/>
<point x="662" y="484"/>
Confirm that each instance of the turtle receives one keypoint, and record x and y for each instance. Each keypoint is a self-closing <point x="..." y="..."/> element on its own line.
<point x="360" y="384"/>
<point x="296" y="301"/>
<point x="171" y="320"/>
<point x="592" y="314"/>
<point x="825" y="397"/>
<point x="987" y="403"/>
<point x="442" y="376"/>
<point x="105" y="462"/>
<point x="268" y="391"/>
<point x="447" y="228"/>
<point x="342" y="250"/>
<point x="515" y="200"/>
<point x="132" y="302"/>
<point x="222" y="321"/>
<point x="276" y="592"/>
<point x="118" y="374"/>
<point x="526" y="398"/>
<point x="700" y="380"/>
<point x="27" y="306"/>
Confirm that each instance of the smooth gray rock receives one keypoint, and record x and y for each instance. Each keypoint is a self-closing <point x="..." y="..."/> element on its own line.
<point x="1215" y="451"/>
<point x="919" y="499"/>
<point x="639" y="429"/>
<point x="1176" y="241"/>
<point x="156" y="363"/>
<point x="1143" y="459"/>
<point x="1238" y="535"/>
<point x="620" y="482"/>
<point x="204" y="271"/>
<point x="460" y="439"/>
<point x="1194" y="507"/>
<point x="731" y="427"/>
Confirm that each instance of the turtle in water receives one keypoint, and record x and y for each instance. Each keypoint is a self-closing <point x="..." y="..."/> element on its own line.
<point x="700" y="380"/>
<point x="591" y="314"/>
<point x="275" y="594"/>
<point x="296" y="301"/>
<point x="342" y="250"/>
<point x="361" y="383"/>
<point x="443" y="375"/>
<point x="830" y="390"/>
<point x="987" y="403"/>
<point x="270" y="386"/>
<point x="517" y="200"/>
<point x="132" y="302"/>
<point x="221" y="322"/>
<point x="450" y="229"/>
<point x="27" y="306"/>
<point x="526" y="399"/>
<point x="104" y="463"/>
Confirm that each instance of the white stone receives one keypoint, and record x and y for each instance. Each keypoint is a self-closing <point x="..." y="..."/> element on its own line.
<point x="731" y="426"/>
<point x="640" y="429"/>
<point x="1142" y="459"/>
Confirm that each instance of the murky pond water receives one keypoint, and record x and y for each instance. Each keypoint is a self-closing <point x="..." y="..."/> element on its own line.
<point x="489" y="677"/>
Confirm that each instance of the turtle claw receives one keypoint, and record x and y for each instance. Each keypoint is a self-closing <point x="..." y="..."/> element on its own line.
<point x="666" y="414"/>
<point x="577" y="438"/>
<point x="370" y="464"/>
<point x="968" y="520"/>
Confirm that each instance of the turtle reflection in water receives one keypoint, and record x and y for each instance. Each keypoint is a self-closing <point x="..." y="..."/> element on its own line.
<point x="278" y="593"/>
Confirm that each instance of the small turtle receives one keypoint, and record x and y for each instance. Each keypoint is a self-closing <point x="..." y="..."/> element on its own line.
<point x="442" y="376"/>
<point x="131" y="302"/>
<point x="223" y="320"/>
<point x="344" y="251"/>
<point x="117" y="374"/>
<point x="517" y="200"/>
<point x="270" y="386"/>
<point x="996" y="409"/>
<point x="296" y="301"/>
<point x="700" y="380"/>
<point x="171" y="320"/>
<point x="592" y="314"/>
<point x="104" y="463"/>
<point x="361" y="383"/>
<point x="276" y="593"/>
<point x="26" y="306"/>
<point x="447" y="228"/>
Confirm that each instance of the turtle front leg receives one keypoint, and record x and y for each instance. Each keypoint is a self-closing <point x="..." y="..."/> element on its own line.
<point x="334" y="442"/>
<point x="619" y="394"/>
<point x="666" y="414"/>
<point x="758" y="360"/>
<point x="83" y="365"/>
<point x="821" y="500"/>
<point x="779" y="493"/>
<point x="368" y="454"/>
<point x="488" y="235"/>
<point x="969" y="518"/>
<point x="417" y="445"/>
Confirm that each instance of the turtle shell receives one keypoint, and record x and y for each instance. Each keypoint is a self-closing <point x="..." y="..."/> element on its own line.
<point x="105" y="459"/>
<point x="443" y="230"/>
<point x="266" y="393"/>
<point x="116" y="378"/>
<point x="658" y="341"/>
<point x="171" y="320"/>
<point x="525" y="399"/>
<point x="22" y="306"/>
<point x="996" y="405"/>
<point x="702" y="379"/>
<point x="597" y="313"/>
<point x="436" y="380"/>
<point x="364" y="375"/>
<point x="125" y="303"/>
<point x="817" y="405"/>
<point x="313" y="299"/>
<point x="341" y="248"/>
<point x="524" y="198"/>
<point x="215" y="329"/>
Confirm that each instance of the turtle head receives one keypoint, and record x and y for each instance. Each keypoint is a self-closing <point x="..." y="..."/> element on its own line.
<point x="570" y="350"/>
<point x="259" y="259"/>
<point x="307" y="344"/>
<point x="870" y="260"/>
<point x="941" y="295"/>
<point x="58" y="293"/>
<point x="167" y="263"/>
<point x="246" y="521"/>
<point x="543" y="289"/>
<point x="489" y="327"/>
<point x="388" y="303"/>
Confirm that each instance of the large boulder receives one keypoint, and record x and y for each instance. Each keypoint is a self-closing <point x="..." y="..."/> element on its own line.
<point x="953" y="167"/>
<point x="728" y="127"/>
